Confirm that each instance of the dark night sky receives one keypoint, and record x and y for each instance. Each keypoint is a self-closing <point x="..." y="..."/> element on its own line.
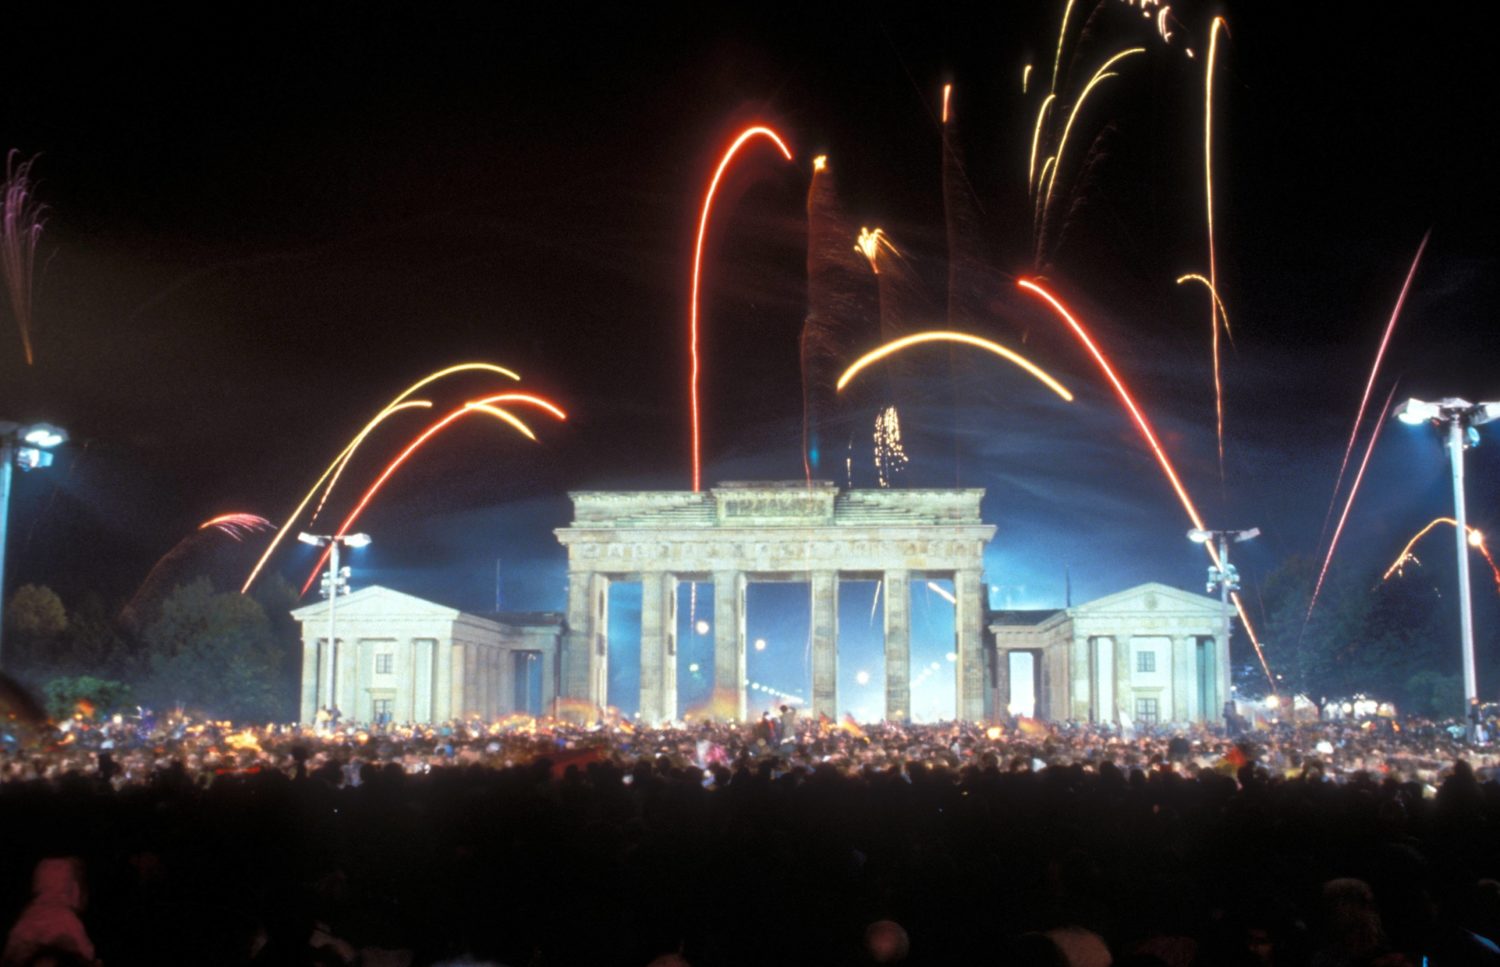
<point x="262" y="226"/>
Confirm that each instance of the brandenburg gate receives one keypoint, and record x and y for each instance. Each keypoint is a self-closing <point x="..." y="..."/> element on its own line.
<point x="738" y="533"/>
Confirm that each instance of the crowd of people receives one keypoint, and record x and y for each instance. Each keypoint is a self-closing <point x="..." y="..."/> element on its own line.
<point x="787" y="840"/>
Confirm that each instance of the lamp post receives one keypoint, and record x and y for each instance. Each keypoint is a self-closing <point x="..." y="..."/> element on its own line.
<point x="335" y="582"/>
<point x="26" y="446"/>
<point x="1226" y="579"/>
<point x="1458" y="417"/>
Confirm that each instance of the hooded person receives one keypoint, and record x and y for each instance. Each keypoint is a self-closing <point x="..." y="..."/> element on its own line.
<point x="50" y="923"/>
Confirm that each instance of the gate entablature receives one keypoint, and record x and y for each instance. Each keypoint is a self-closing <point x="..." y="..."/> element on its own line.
<point x="738" y="532"/>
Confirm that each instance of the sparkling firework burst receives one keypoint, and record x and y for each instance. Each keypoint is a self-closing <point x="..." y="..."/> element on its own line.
<point x="20" y="229"/>
<point x="890" y="455"/>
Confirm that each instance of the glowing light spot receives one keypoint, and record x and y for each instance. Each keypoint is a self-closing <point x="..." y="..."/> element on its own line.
<point x="708" y="202"/>
<point x="862" y="677"/>
<point x="820" y="162"/>
<point x="760" y="644"/>
<point x="875" y="355"/>
<point x="701" y="627"/>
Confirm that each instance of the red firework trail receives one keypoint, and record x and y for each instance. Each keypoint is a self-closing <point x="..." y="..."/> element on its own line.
<point x="708" y="201"/>
<point x="1374" y="370"/>
<point x="485" y="405"/>
<point x="1156" y="447"/>
<point x="1353" y="490"/>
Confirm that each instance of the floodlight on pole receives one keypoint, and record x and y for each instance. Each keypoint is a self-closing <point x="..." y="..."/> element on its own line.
<point x="1458" y="418"/>
<point x="1225" y="579"/>
<point x="38" y="439"/>
<point x="335" y="582"/>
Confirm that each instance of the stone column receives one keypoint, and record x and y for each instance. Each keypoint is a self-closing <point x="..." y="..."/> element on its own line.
<point x="669" y="659"/>
<point x="658" y="648"/>
<point x="1182" y="678"/>
<point x="897" y="586"/>
<point x="1002" y="682"/>
<point x="307" y="706"/>
<point x="1124" y="695"/>
<point x="345" y="652"/>
<point x="421" y="680"/>
<point x="577" y="641"/>
<point x="1083" y="697"/>
<point x="599" y="654"/>
<point x="825" y="637"/>
<point x="968" y="623"/>
<point x="442" y="678"/>
<point x="729" y="644"/>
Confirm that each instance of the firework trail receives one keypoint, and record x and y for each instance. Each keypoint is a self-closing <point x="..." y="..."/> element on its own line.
<point x="487" y="405"/>
<point x="237" y="525"/>
<point x="1353" y="492"/>
<point x="1161" y="454"/>
<point x="1216" y="313"/>
<point x="708" y="202"/>
<point x="348" y="453"/>
<point x="1476" y="541"/>
<point x="1385" y="339"/>
<point x="20" y="228"/>
<point x="839" y="301"/>
<point x="400" y="402"/>
<point x="214" y="547"/>
<point x="881" y="352"/>
<point x="968" y="273"/>
<point x="1208" y="189"/>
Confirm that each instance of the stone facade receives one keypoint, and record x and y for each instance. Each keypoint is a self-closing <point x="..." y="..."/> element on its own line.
<point x="1150" y="653"/>
<point x="419" y="661"/>
<point x="738" y="533"/>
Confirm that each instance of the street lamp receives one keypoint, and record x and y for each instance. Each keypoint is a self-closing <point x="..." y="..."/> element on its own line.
<point x="335" y="582"/>
<point x="26" y="446"/>
<point x="1459" y="417"/>
<point x="1226" y="579"/>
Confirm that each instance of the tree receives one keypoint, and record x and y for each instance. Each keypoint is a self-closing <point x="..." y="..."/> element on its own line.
<point x="84" y="693"/>
<point x="36" y="620"/>
<point x="212" y="652"/>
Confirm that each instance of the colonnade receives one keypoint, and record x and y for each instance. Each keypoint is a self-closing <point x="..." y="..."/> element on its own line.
<point x="585" y="646"/>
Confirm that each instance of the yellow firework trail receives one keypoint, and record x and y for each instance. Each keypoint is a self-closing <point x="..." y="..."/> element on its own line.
<point x="1025" y="77"/>
<point x="1036" y="138"/>
<point x="400" y="402"/>
<point x="1102" y="74"/>
<point x="896" y="345"/>
<point x="1217" y="312"/>
<point x="1208" y="187"/>
<point x="1062" y="35"/>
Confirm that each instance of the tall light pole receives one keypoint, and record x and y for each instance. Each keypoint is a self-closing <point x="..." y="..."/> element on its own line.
<point x="1458" y="417"/>
<point x="335" y="582"/>
<point x="26" y="446"/>
<point x="1227" y="579"/>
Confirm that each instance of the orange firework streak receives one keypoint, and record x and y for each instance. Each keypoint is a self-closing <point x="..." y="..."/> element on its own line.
<point x="1353" y="491"/>
<point x="1156" y="447"/>
<point x="485" y="405"/>
<point x="1476" y="541"/>
<point x="396" y="404"/>
<point x="1370" y="384"/>
<point x="708" y="202"/>
<point x="1208" y="186"/>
